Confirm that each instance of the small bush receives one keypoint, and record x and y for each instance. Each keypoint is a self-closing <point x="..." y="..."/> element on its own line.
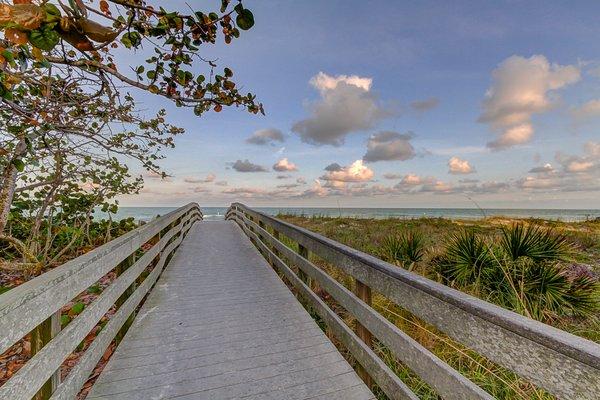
<point x="547" y="290"/>
<point x="406" y="248"/>
<point x="532" y="241"/>
<point x="467" y="259"/>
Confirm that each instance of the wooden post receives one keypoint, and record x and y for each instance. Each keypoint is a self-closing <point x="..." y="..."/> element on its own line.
<point x="276" y="236"/>
<point x="173" y="238"/>
<point x="303" y="251"/>
<point x="40" y="336"/>
<point x="262" y="225"/>
<point x="122" y="267"/>
<point x="363" y="292"/>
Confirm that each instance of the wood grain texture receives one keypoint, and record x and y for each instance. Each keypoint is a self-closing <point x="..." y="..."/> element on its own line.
<point x="220" y="324"/>
<point x="446" y="381"/>
<point x="28" y="305"/>
<point x="564" y="364"/>
<point x="25" y="383"/>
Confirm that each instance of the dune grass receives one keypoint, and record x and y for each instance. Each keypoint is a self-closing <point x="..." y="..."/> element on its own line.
<point x="484" y="248"/>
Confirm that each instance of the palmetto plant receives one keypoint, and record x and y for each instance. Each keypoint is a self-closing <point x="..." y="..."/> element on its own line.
<point x="523" y="272"/>
<point x="406" y="248"/>
<point x="520" y="240"/>
<point x="547" y="290"/>
<point x="467" y="259"/>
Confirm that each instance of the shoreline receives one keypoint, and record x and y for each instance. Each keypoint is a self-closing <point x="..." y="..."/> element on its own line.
<point x="472" y="214"/>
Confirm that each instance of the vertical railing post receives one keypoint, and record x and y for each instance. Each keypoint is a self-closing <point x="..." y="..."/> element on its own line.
<point x="40" y="336"/>
<point x="303" y="252"/>
<point x="277" y="237"/>
<point x="121" y="268"/>
<point x="363" y="292"/>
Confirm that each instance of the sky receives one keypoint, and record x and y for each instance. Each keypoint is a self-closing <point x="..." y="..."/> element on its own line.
<point x="397" y="104"/>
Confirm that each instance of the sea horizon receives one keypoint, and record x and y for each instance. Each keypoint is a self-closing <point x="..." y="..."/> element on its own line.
<point x="217" y="213"/>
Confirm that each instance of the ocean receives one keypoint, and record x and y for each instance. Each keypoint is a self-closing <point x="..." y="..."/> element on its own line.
<point x="217" y="213"/>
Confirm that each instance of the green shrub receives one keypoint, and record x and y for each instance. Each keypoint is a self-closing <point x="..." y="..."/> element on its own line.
<point x="520" y="240"/>
<point x="467" y="259"/>
<point x="406" y="248"/>
<point x="547" y="290"/>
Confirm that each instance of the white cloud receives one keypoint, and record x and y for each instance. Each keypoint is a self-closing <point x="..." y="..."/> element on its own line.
<point x="512" y="136"/>
<point x="266" y="136"/>
<point x="522" y="87"/>
<point x="301" y="181"/>
<point x="592" y="149"/>
<point x="413" y="179"/>
<point x="457" y="166"/>
<point x="221" y="183"/>
<point x="288" y="186"/>
<point x="587" y="110"/>
<point x="324" y="82"/>
<point x="544" y="169"/>
<point x="346" y="105"/>
<point x="579" y="166"/>
<point x="209" y="178"/>
<point x="588" y="161"/>
<point x="356" y="172"/>
<point x="247" y="166"/>
<point x="285" y="165"/>
<point x="425" y="105"/>
<point x="389" y="145"/>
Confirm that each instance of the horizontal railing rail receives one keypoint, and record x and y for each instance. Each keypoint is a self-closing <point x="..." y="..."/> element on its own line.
<point x="565" y="365"/>
<point x="35" y="305"/>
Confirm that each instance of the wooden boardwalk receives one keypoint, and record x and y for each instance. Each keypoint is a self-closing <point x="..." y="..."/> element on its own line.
<point x="220" y="324"/>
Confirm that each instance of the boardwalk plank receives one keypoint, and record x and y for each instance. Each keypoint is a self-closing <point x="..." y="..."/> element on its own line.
<point x="220" y="324"/>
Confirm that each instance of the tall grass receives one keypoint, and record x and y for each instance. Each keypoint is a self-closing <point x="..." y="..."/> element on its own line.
<point x="528" y="276"/>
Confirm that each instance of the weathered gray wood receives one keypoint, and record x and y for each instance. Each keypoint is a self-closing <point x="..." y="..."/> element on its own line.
<point x="26" y="306"/>
<point x="25" y="383"/>
<point x="444" y="379"/>
<point x="168" y="352"/>
<point x="387" y="380"/>
<point x="564" y="364"/>
<point x="79" y="375"/>
<point x="40" y="336"/>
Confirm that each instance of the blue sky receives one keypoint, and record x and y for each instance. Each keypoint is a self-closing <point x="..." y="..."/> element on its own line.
<point x="455" y="101"/>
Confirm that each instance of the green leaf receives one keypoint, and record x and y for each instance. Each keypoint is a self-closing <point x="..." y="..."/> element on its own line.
<point x="224" y="4"/>
<point x="8" y="55"/>
<point x="44" y="39"/>
<point x="64" y="320"/>
<point x="77" y="308"/>
<point x="19" y="165"/>
<point x="95" y="289"/>
<point x="131" y="39"/>
<point x="52" y="12"/>
<point x="245" y="19"/>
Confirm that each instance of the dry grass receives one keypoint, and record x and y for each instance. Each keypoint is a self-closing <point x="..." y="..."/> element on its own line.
<point x="368" y="235"/>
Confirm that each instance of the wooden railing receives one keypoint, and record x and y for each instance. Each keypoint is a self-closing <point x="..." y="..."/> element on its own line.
<point x="565" y="365"/>
<point x="35" y="305"/>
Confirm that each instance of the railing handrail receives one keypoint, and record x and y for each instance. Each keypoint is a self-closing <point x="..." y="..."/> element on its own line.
<point x="27" y="306"/>
<point x="14" y="298"/>
<point x="550" y="343"/>
<point x="561" y="341"/>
